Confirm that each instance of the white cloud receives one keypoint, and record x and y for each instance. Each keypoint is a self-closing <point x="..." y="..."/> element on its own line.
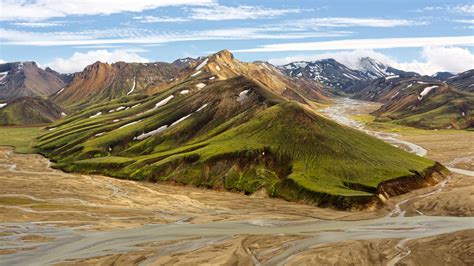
<point x="451" y="59"/>
<point x="465" y="21"/>
<point x="38" y="24"/>
<point x="78" y="60"/>
<point x="352" y="44"/>
<point x="467" y="9"/>
<point x="462" y="9"/>
<point x="348" y="58"/>
<point x="219" y="12"/>
<point x="137" y="36"/>
<point x="353" y="22"/>
<point x="36" y="10"/>
<point x="2" y="61"/>
<point x="153" y="19"/>
<point x="435" y="59"/>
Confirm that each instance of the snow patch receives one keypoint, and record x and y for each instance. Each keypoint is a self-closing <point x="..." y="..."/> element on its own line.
<point x="212" y="78"/>
<point x="120" y="108"/>
<point x="57" y="93"/>
<point x="133" y="86"/>
<point x="197" y="73"/>
<point x="99" y="134"/>
<point x="426" y="91"/>
<point x="163" y="102"/>
<point x="200" y="85"/>
<point x="395" y="95"/>
<point x="138" y="104"/>
<point x="411" y="84"/>
<point x="203" y="63"/>
<point x="392" y="77"/>
<point x="202" y="107"/>
<point x="180" y="120"/>
<point x="63" y="114"/>
<point x="184" y="92"/>
<point x="129" y="124"/>
<point x="2" y="105"/>
<point x="96" y="115"/>
<point x="242" y="96"/>
<point x="151" y="133"/>
<point x="116" y="120"/>
<point x="3" y="75"/>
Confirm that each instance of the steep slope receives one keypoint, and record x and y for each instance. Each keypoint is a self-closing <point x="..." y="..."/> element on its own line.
<point x="233" y="132"/>
<point x="375" y="69"/>
<point x="29" y="111"/>
<point x="223" y="65"/>
<point x="463" y="81"/>
<point x="421" y="102"/>
<point x="102" y="82"/>
<point x="442" y="76"/>
<point x="22" y="79"/>
<point x="341" y="78"/>
<point x="329" y="72"/>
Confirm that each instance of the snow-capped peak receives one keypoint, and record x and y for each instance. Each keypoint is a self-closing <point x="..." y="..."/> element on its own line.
<point x="373" y="68"/>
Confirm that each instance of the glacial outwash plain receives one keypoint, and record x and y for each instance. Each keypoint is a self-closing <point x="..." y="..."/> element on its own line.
<point x="219" y="132"/>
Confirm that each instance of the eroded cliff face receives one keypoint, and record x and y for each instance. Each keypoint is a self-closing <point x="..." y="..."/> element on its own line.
<point x="402" y="185"/>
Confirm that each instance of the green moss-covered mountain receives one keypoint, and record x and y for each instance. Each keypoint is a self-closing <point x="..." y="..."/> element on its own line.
<point x="29" y="111"/>
<point x="229" y="133"/>
<point x="424" y="102"/>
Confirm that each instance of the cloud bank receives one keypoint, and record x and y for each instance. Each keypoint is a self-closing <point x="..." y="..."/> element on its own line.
<point x="37" y="10"/>
<point x="451" y="59"/>
<point x="78" y="61"/>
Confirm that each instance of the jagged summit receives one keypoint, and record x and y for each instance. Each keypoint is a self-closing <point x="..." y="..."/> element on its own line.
<point x="340" y="77"/>
<point x="223" y="65"/>
<point x="328" y="72"/>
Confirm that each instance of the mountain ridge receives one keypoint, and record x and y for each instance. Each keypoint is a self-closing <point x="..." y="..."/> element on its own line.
<point x="26" y="79"/>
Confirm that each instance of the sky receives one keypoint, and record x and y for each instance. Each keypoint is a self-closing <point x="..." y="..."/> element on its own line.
<point x="426" y="36"/>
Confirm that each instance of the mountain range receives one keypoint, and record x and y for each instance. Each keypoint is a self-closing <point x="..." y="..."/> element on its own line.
<point x="311" y="83"/>
<point x="245" y="127"/>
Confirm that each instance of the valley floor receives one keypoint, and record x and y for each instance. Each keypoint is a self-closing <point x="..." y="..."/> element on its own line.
<point x="51" y="217"/>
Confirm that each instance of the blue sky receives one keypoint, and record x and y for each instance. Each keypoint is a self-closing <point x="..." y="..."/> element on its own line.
<point x="426" y="36"/>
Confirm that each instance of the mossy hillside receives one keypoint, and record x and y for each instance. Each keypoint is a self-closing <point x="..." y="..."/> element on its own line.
<point x="448" y="107"/>
<point x="261" y="143"/>
<point x="29" y="111"/>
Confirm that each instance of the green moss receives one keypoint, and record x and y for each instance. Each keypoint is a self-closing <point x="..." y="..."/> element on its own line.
<point x="22" y="138"/>
<point x="264" y="143"/>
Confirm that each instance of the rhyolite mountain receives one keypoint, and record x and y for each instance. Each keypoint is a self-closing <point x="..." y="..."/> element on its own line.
<point x="28" y="111"/>
<point x="340" y="77"/>
<point x="423" y="102"/>
<point x="231" y="125"/>
<point x="102" y="82"/>
<point x="26" y="79"/>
